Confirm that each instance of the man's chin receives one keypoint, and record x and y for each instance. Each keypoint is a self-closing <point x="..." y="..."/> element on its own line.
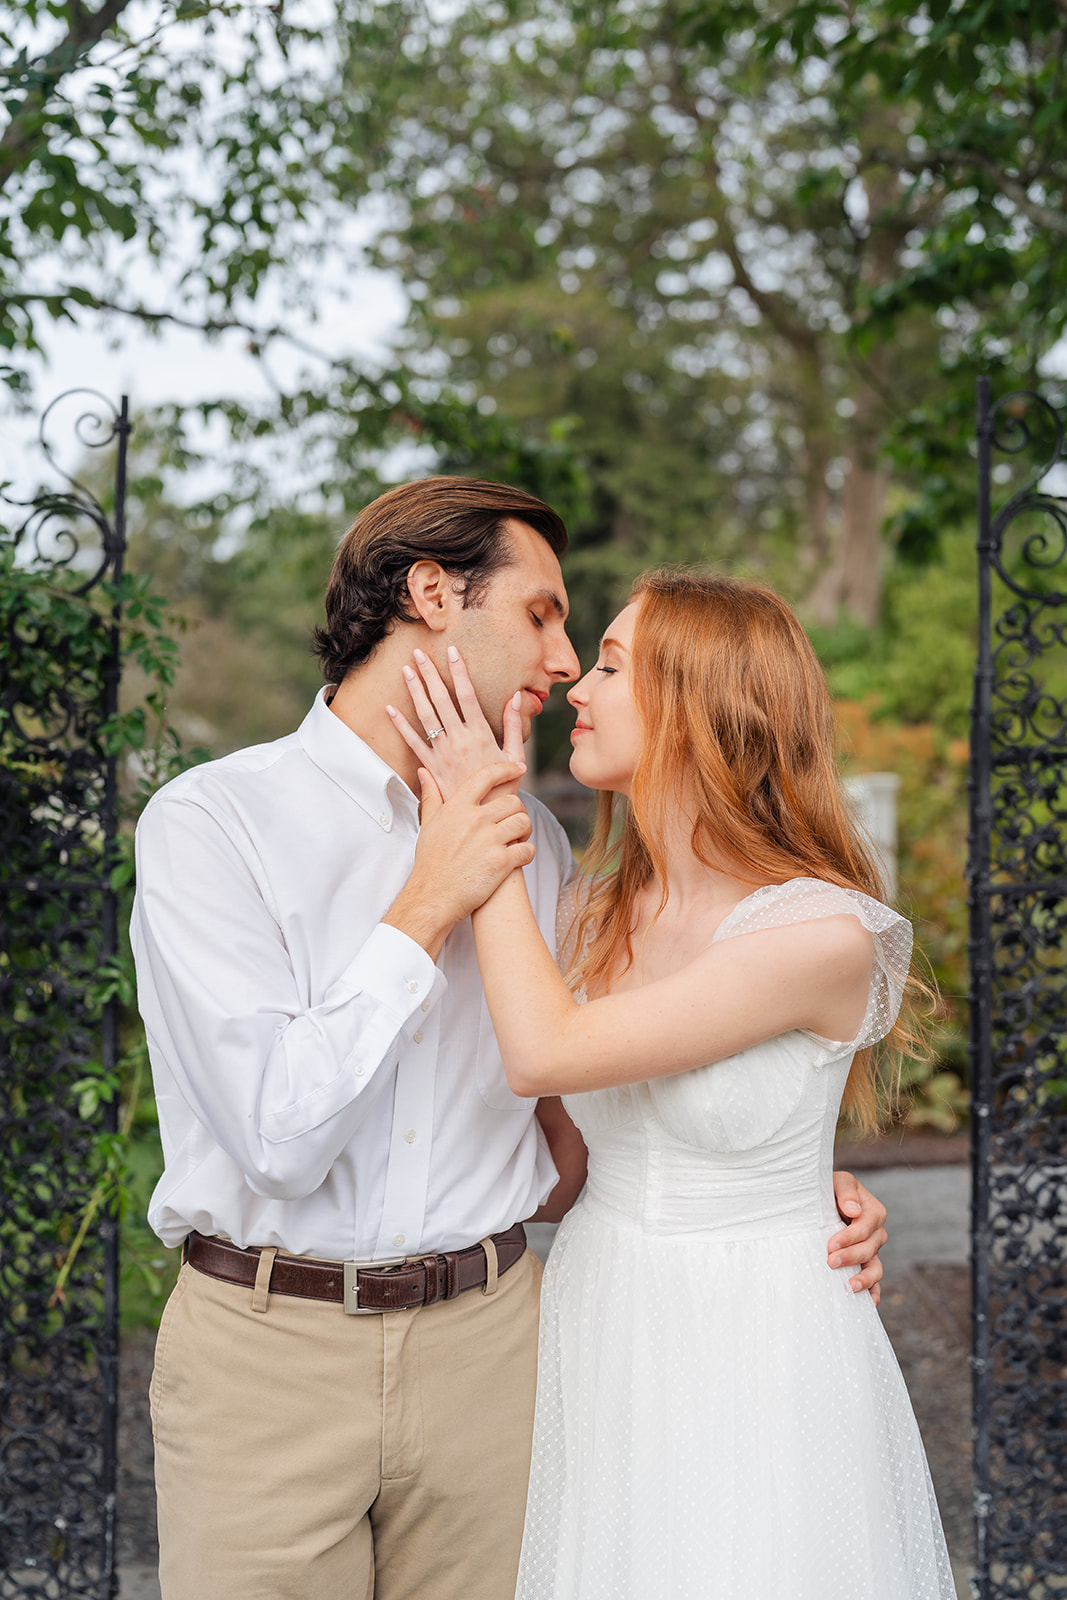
<point x="526" y="724"/>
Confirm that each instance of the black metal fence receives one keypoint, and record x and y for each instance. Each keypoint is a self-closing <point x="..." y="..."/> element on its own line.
<point x="1018" y="881"/>
<point x="60" y="663"/>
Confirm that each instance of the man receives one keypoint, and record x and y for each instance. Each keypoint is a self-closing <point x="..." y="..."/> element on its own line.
<point x="330" y="1093"/>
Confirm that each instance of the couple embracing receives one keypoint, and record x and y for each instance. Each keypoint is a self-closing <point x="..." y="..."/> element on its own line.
<point x="362" y="1017"/>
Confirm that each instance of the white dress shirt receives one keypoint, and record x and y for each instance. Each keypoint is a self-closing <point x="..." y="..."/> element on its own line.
<point x="321" y="1085"/>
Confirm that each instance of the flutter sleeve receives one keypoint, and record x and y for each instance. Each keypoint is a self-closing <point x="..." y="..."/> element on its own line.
<point x="807" y="899"/>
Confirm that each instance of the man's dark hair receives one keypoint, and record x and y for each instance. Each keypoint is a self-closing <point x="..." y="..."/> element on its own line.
<point x="459" y="522"/>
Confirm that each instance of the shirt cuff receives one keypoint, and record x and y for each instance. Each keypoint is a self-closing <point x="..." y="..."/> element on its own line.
<point x="395" y="970"/>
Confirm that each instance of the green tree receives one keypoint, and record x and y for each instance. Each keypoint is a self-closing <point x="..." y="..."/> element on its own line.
<point x="606" y="222"/>
<point x="169" y="128"/>
<point x="618" y="212"/>
<point x="979" y="181"/>
<point x="229" y="143"/>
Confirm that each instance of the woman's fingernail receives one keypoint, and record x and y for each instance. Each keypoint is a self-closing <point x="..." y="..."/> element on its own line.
<point x="391" y="710"/>
<point x="453" y="653"/>
<point x="409" y="673"/>
<point x="516" y="700"/>
<point x="420" y="655"/>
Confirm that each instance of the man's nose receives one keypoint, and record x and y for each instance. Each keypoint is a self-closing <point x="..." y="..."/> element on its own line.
<point x="566" y="666"/>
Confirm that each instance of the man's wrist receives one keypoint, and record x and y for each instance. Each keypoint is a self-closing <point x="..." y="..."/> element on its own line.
<point x="421" y="919"/>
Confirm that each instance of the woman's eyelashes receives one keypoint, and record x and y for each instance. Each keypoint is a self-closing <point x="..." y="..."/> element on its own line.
<point x="607" y="670"/>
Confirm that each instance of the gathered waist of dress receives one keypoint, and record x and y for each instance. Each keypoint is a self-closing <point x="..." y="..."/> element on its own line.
<point x="726" y="1203"/>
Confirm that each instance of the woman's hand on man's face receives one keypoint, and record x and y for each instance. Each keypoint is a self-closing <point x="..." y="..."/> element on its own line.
<point x="463" y="741"/>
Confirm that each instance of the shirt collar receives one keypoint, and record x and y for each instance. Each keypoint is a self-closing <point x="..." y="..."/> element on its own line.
<point x="343" y="756"/>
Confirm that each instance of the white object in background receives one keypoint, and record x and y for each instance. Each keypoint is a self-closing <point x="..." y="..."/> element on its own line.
<point x="874" y="796"/>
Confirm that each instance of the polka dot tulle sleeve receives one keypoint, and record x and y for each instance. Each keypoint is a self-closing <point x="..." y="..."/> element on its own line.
<point x="806" y="899"/>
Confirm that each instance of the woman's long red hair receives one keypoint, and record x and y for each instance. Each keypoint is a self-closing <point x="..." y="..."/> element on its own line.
<point x="740" y="728"/>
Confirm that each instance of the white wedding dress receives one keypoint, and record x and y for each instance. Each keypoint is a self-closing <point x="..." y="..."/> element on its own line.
<point x="719" y="1417"/>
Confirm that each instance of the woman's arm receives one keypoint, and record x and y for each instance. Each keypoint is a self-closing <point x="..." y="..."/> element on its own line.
<point x="736" y="994"/>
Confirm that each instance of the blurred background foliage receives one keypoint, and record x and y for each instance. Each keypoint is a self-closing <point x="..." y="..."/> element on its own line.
<point x="715" y="277"/>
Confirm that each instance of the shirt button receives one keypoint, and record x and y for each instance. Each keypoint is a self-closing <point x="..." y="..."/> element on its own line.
<point x="399" y="1238"/>
<point x="418" y="1036"/>
<point x="412" y="987"/>
<point x="410" y="1136"/>
<point x="384" y="819"/>
<point x="425" y="1006"/>
<point x="358" y="1071"/>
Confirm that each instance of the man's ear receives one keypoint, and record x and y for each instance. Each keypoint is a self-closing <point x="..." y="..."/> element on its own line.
<point x="432" y="595"/>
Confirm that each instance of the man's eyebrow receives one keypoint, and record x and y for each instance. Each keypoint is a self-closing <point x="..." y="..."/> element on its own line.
<point x="553" y="600"/>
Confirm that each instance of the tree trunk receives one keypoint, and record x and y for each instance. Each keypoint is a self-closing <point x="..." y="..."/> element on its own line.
<point x="860" y="590"/>
<point x="851" y="581"/>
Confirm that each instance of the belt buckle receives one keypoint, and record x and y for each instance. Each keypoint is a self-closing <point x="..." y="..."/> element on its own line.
<point x="352" y="1269"/>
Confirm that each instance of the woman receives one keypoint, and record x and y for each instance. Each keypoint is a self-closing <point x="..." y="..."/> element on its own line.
<point x="717" y="1415"/>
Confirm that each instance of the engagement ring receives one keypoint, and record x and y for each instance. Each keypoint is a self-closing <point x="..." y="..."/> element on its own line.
<point x="434" y="733"/>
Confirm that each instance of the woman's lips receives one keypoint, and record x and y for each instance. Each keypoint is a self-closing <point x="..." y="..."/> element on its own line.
<point x="580" y="727"/>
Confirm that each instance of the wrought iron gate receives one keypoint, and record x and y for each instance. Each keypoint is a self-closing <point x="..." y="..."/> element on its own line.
<point x="1018" y="882"/>
<point x="59" y="672"/>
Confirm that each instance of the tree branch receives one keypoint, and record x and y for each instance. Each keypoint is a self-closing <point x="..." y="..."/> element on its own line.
<point x="22" y="133"/>
<point x="773" y="305"/>
<point x="956" y="161"/>
<point x="257" y="336"/>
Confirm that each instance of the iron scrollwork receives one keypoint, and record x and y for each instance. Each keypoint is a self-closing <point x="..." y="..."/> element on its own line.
<point x="59" y="647"/>
<point x="1018" y="889"/>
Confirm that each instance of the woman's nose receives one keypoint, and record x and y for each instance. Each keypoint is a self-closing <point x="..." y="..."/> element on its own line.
<point x="577" y="696"/>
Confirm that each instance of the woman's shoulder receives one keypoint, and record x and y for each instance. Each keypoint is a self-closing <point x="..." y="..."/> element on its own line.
<point x="840" y="922"/>
<point x="809" y="900"/>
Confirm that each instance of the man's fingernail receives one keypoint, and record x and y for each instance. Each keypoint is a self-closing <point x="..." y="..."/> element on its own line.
<point x="453" y="653"/>
<point x="853" y="1206"/>
<point x="835" y="1261"/>
<point x="855" y="1285"/>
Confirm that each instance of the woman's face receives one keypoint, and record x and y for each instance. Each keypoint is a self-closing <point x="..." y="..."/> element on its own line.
<point x="608" y="736"/>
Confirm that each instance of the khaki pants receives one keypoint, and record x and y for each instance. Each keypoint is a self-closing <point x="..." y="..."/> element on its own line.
<point x="304" y="1454"/>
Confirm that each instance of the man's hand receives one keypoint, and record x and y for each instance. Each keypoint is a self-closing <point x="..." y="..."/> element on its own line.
<point x="860" y="1242"/>
<point x="463" y="741"/>
<point x="571" y="1158"/>
<point x="466" y="849"/>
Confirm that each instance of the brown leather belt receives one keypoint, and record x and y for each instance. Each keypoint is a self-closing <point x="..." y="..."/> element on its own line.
<point x="360" y="1286"/>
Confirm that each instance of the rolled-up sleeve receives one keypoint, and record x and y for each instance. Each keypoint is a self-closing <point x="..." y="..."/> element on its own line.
<point x="281" y="1084"/>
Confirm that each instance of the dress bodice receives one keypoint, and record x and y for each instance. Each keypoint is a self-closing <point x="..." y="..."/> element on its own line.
<point x="743" y="1147"/>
